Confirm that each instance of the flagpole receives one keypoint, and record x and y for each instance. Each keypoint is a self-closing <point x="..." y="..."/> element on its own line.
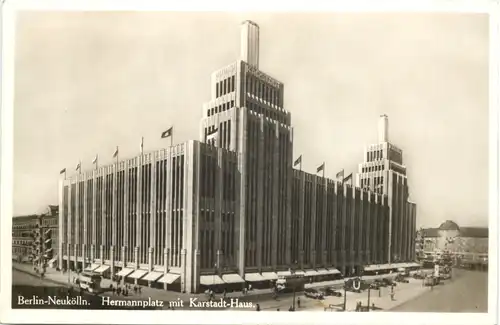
<point x="172" y="137"/>
<point x="324" y="166"/>
<point x="80" y="169"/>
<point x="300" y="163"/>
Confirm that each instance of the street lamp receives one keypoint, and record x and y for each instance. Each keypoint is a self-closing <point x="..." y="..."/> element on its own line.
<point x="295" y="284"/>
<point x="345" y="294"/>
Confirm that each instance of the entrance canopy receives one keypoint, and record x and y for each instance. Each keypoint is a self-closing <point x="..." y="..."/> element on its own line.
<point x="270" y="276"/>
<point x="209" y="280"/>
<point x="169" y="278"/>
<point x="125" y="272"/>
<point x="232" y="278"/>
<point x="137" y="274"/>
<point x="153" y="276"/>
<point x="254" y="277"/>
<point x="101" y="269"/>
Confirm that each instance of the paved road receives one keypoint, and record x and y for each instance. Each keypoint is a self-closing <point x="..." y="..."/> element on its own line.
<point x="467" y="293"/>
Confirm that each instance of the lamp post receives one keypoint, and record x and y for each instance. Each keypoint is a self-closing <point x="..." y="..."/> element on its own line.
<point x="345" y="294"/>
<point x="369" y="287"/>
<point x="294" y="284"/>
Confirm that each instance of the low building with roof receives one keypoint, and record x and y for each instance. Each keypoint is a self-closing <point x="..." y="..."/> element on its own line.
<point x="469" y="243"/>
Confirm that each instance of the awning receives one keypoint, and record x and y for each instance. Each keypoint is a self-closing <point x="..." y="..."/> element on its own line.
<point x="311" y="273"/>
<point x="153" y="276"/>
<point x="208" y="280"/>
<point x="414" y="264"/>
<point x="284" y="273"/>
<point x="92" y="267"/>
<point x="300" y="272"/>
<point x="254" y="277"/>
<point x="323" y="271"/>
<point x="269" y="275"/>
<point x="169" y="278"/>
<point x="371" y="267"/>
<point x="101" y="269"/>
<point x="333" y="271"/>
<point x="137" y="274"/>
<point x="232" y="278"/>
<point x="125" y="272"/>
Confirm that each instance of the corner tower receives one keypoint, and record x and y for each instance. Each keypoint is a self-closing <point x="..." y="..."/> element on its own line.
<point x="246" y="114"/>
<point x="383" y="171"/>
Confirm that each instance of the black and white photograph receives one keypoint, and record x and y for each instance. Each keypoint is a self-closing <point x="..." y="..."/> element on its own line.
<point x="325" y="162"/>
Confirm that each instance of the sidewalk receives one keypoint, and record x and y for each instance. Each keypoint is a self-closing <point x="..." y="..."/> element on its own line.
<point x="66" y="279"/>
<point x="403" y="292"/>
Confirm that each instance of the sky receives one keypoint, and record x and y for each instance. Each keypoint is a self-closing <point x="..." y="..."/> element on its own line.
<point x="86" y="82"/>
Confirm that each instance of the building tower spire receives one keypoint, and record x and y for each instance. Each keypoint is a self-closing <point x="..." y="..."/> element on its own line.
<point x="250" y="43"/>
<point x="383" y="129"/>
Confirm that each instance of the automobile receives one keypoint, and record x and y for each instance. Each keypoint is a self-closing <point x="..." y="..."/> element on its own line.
<point x="401" y="278"/>
<point x="431" y="281"/>
<point x="313" y="293"/>
<point x="380" y="283"/>
<point x="332" y="292"/>
<point x="389" y="282"/>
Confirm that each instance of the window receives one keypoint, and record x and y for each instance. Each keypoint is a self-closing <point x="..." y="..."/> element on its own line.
<point x="233" y="84"/>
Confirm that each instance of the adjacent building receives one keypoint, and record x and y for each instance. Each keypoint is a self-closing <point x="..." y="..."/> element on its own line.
<point x="468" y="243"/>
<point x="29" y="231"/>
<point x="230" y="208"/>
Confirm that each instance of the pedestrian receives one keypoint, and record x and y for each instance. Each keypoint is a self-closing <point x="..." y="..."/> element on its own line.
<point x="278" y="309"/>
<point x="224" y="294"/>
<point x="290" y="309"/>
<point x="250" y="287"/>
<point x="113" y="290"/>
<point x="373" y="306"/>
<point x="298" y="302"/>
<point x="392" y="296"/>
<point x="140" y="289"/>
<point x="257" y="308"/>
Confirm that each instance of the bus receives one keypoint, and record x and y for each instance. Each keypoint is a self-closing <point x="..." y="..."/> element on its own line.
<point x="288" y="283"/>
<point x="90" y="282"/>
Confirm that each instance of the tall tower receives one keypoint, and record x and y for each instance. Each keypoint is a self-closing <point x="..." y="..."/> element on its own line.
<point x="383" y="172"/>
<point x="246" y="115"/>
<point x="250" y="43"/>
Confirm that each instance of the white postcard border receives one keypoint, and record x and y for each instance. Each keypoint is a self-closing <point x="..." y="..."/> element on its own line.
<point x="8" y="315"/>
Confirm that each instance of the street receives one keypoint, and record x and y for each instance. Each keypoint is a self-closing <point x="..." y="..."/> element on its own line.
<point x="467" y="293"/>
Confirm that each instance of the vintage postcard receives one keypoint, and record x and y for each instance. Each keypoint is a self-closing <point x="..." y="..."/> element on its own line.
<point x="252" y="166"/>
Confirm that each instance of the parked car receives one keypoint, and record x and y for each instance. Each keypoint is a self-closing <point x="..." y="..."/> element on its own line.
<point x="313" y="293"/>
<point x="431" y="281"/>
<point x="401" y="278"/>
<point x="332" y="292"/>
<point x="389" y="282"/>
<point x="375" y="285"/>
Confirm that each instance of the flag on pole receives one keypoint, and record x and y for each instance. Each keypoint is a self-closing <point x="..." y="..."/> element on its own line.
<point x="62" y="171"/>
<point x="78" y="166"/>
<point x="298" y="161"/>
<point x="212" y="137"/>
<point x="167" y="133"/>
<point x="115" y="154"/>
<point x="320" y="168"/>
<point x="348" y="178"/>
<point x="142" y="145"/>
<point x="95" y="160"/>
<point x="340" y="175"/>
